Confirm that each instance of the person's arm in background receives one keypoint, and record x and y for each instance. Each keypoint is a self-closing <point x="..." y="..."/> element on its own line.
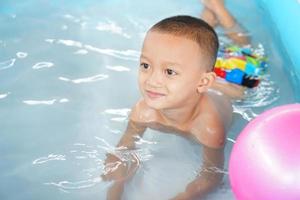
<point x="120" y="170"/>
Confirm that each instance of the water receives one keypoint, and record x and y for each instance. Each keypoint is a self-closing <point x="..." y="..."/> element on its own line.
<point x="67" y="83"/>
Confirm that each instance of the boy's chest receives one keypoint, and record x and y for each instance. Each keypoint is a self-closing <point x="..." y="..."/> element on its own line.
<point x="168" y="129"/>
<point x="163" y="128"/>
<point x="154" y="120"/>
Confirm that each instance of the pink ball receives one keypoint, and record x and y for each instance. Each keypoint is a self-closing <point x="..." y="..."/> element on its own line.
<point x="265" y="160"/>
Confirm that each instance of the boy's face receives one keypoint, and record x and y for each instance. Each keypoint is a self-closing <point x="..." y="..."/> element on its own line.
<point x="170" y="70"/>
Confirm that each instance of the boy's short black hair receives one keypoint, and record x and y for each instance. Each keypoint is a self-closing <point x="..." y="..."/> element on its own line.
<point x="195" y="29"/>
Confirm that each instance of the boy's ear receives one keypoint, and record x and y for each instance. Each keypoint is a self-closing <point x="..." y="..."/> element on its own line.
<point x="206" y="81"/>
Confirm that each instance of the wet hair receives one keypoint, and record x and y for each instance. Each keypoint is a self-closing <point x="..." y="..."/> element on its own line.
<point x="194" y="29"/>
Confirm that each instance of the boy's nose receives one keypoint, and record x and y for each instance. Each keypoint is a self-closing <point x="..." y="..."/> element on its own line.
<point x="155" y="79"/>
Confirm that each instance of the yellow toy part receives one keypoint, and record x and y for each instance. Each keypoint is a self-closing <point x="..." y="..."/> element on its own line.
<point x="233" y="63"/>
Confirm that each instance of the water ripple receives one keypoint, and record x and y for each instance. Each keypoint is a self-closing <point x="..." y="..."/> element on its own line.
<point x="121" y="112"/>
<point x="41" y="65"/>
<point x="76" y="185"/>
<point x="7" y="64"/>
<point x="118" y="68"/>
<point x="50" y="157"/>
<point x="115" y="131"/>
<point x="81" y="52"/>
<point x="70" y="43"/>
<point x="125" y="154"/>
<point x="76" y="20"/>
<point x="2" y="96"/>
<point x="44" y="102"/>
<point x="125" y="54"/>
<point x="118" y="119"/>
<point x="141" y="141"/>
<point x="265" y="94"/>
<point x="83" y="152"/>
<point x="22" y="54"/>
<point x="90" y="79"/>
<point x="122" y="54"/>
<point x="112" y="27"/>
<point x="64" y="100"/>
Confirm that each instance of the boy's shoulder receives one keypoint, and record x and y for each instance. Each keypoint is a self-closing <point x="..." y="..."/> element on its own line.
<point x="208" y="127"/>
<point x="143" y="113"/>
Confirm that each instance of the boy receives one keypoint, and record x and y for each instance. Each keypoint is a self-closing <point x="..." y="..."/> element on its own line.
<point x="175" y="79"/>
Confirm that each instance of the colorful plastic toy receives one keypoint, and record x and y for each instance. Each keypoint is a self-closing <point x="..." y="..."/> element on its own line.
<point x="240" y="66"/>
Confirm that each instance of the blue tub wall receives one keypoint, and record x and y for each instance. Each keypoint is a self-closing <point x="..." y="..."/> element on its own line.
<point x="285" y="16"/>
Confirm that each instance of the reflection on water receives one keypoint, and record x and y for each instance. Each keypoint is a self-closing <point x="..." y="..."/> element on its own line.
<point x="122" y="54"/>
<point x="4" y="95"/>
<point x="90" y="79"/>
<point x="22" y="54"/>
<point x="76" y="185"/>
<point x="48" y="158"/>
<point x="66" y="186"/>
<point x="45" y="102"/>
<point x="7" y="64"/>
<point x="118" y="68"/>
<point x="94" y="153"/>
<point x="112" y="27"/>
<point x="42" y="65"/>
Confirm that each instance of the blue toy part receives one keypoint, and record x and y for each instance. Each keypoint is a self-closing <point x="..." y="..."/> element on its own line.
<point x="263" y="65"/>
<point x="252" y="70"/>
<point x="246" y="51"/>
<point x="235" y="76"/>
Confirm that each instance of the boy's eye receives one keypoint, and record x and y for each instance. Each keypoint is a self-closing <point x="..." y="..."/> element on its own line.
<point x="171" y="72"/>
<point x="145" y="65"/>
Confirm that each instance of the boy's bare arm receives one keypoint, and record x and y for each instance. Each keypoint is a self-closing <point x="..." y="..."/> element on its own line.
<point x="233" y="91"/>
<point x="210" y="133"/>
<point x="114" y="165"/>
<point x="120" y="170"/>
<point x="210" y="176"/>
<point x="133" y="132"/>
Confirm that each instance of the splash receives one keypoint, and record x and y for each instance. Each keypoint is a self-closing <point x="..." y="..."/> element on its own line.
<point x="265" y="94"/>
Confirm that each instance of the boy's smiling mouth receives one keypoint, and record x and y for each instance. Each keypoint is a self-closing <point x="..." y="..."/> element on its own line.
<point x="154" y="95"/>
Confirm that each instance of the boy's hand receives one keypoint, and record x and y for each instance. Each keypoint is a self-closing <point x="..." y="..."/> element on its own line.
<point x="118" y="170"/>
<point x="114" y="168"/>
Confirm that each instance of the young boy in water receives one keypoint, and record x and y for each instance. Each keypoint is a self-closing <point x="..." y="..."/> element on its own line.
<point x="179" y="95"/>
